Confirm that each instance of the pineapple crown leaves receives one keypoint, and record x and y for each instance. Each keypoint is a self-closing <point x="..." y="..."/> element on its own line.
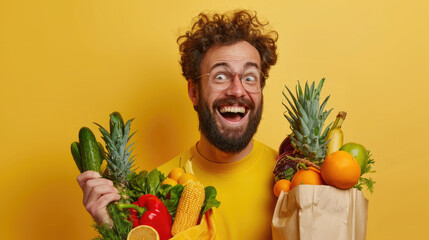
<point x="119" y="159"/>
<point x="307" y="119"/>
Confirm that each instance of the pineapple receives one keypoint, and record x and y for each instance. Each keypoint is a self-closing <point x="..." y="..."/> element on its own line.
<point x="119" y="159"/>
<point x="306" y="120"/>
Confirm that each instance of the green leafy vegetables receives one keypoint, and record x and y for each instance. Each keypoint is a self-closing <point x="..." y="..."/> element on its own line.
<point x="367" y="182"/>
<point x="131" y="185"/>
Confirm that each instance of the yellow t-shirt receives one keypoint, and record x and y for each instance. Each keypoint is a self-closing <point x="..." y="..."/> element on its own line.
<point x="244" y="189"/>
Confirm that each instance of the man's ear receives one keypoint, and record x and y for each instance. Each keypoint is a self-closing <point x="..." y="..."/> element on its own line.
<point x="193" y="92"/>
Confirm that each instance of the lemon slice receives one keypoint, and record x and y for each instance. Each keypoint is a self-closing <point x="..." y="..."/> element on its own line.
<point x="143" y="232"/>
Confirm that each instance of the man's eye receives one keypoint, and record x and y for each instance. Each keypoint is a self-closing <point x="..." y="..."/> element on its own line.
<point x="250" y="79"/>
<point x="221" y="77"/>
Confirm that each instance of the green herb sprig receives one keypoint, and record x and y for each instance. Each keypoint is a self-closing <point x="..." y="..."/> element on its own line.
<point x="367" y="182"/>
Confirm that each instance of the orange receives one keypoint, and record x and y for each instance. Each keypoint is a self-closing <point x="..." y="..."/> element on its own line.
<point x="143" y="232"/>
<point x="358" y="152"/>
<point x="176" y="173"/>
<point x="310" y="176"/>
<point x="169" y="181"/>
<point x="281" y="185"/>
<point x="186" y="177"/>
<point x="340" y="169"/>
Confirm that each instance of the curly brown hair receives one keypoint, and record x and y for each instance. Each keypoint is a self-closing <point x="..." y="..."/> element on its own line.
<point x="222" y="29"/>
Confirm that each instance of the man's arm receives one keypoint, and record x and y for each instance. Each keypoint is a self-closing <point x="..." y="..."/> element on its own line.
<point x="97" y="194"/>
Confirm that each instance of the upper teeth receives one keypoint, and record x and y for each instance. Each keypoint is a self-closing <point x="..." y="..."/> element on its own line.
<point x="233" y="109"/>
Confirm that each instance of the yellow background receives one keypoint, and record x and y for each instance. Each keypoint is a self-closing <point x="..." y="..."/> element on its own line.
<point x="66" y="64"/>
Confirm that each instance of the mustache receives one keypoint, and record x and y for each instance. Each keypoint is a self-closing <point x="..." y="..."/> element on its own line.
<point x="234" y="101"/>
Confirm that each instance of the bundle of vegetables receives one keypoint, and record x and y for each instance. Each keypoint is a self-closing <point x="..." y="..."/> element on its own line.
<point x="315" y="154"/>
<point x="147" y="198"/>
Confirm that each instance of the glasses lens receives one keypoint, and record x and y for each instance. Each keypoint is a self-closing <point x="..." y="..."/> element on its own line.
<point x="221" y="78"/>
<point x="251" y="80"/>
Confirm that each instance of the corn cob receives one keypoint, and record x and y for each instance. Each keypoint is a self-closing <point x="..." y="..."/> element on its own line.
<point x="189" y="208"/>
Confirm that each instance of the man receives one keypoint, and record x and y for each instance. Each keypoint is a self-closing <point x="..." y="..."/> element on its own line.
<point x="225" y="60"/>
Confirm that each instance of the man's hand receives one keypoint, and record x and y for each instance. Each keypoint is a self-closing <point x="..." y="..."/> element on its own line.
<point x="97" y="193"/>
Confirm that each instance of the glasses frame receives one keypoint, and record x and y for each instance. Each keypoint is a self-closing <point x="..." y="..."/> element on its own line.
<point x="263" y="78"/>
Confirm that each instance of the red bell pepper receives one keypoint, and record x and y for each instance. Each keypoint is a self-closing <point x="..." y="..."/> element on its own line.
<point x="149" y="210"/>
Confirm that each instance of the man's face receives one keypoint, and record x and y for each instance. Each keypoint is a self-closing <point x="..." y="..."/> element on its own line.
<point x="229" y="118"/>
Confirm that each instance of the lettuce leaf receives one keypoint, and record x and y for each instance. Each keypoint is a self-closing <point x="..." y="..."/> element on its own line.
<point x="210" y="200"/>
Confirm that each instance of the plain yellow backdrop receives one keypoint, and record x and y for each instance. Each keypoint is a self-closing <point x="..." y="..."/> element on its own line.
<point x="67" y="64"/>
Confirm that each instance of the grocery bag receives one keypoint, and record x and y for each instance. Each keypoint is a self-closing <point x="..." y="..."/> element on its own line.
<point x="320" y="212"/>
<point x="205" y="230"/>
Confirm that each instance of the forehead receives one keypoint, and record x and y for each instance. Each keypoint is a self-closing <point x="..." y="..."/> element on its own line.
<point x="236" y="56"/>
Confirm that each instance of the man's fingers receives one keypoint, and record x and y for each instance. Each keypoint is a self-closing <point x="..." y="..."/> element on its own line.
<point x="85" y="176"/>
<point x="96" y="182"/>
<point x="96" y="188"/>
<point x="98" y="210"/>
<point x="98" y="192"/>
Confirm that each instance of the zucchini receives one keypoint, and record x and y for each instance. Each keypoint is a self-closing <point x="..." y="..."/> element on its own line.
<point x="89" y="151"/>
<point x="75" y="150"/>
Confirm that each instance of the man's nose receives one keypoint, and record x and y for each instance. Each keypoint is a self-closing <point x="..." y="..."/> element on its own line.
<point x="236" y="88"/>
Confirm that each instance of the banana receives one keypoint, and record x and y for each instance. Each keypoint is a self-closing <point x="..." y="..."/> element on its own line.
<point x="335" y="135"/>
<point x="335" y="138"/>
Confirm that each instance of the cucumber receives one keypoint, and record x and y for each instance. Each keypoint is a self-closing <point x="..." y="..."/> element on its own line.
<point x="89" y="151"/>
<point x="116" y="119"/>
<point x="75" y="150"/>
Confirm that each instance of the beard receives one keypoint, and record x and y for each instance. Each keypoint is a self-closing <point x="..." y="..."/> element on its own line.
<point x="231" y="140"/>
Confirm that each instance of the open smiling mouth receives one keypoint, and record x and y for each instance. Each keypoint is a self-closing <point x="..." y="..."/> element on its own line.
<point x="233" y="113"/>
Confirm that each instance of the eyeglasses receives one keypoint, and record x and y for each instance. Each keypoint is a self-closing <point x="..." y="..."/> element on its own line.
<point x="221" y="78"/>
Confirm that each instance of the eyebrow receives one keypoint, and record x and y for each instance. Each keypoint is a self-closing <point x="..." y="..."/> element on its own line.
<point x="225" y="64"/>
